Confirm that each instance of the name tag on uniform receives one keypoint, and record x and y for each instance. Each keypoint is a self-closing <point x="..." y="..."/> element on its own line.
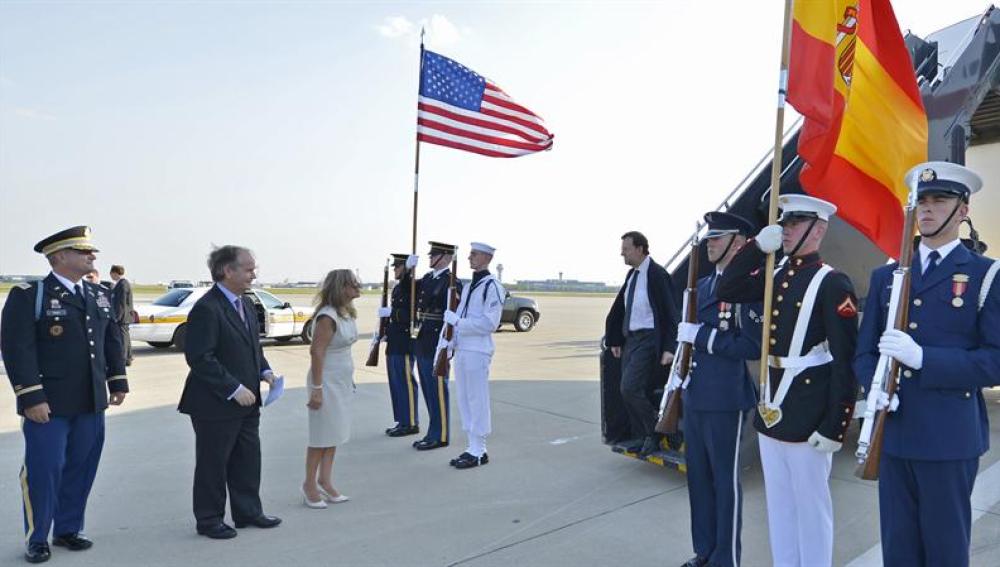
<point x="55" y="312"/>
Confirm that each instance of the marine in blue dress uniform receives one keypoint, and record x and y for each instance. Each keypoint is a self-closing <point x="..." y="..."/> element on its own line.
<point x="937" y="428"/>
<point x="716" y="398"/>
<point x="432" y="301"/>
<point x="804" y="412"/>
<point x="64" y="355"/>
<point x="399" y="352"/>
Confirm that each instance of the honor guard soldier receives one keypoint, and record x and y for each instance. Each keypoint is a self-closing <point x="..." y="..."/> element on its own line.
<point x="399" y="350"/>
<point x="810" y="390"/>
<point x="475" y="321"/>
<point x="937" y="428"/>
<point x="63" y="354"/>
<point x="432" y="302"/>
<point x="716" y="398"/>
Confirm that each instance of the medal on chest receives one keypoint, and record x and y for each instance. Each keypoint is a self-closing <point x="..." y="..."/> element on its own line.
<point x="725" y="314"/>
<point x="959" y="283"/>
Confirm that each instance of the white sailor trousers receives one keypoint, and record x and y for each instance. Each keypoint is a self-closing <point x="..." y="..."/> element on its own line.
<point x="472" y="388"/>
<point x="799" y="506"/>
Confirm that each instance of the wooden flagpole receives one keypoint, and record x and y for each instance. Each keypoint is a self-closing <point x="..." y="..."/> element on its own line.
<point x="772" y="210"/>
<point x="416" y="192"/>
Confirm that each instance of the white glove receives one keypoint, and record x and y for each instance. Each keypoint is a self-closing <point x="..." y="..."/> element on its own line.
<point x="451" y="318"/>
<point x="902" y="347"/>
<point x="769" y="238"/>
<point x="883" y="402"/>
<point x="384" y="312"/>
<point x="687" y="332"/>
<point x="411" y="261"/>
<point x="822" y="444"/>
<point x="443" y="344"/>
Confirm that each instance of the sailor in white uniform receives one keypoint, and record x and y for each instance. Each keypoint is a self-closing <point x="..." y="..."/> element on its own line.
<point x="475" y="320"/>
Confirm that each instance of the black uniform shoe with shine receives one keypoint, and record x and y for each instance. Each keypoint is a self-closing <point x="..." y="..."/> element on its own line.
<point x="428" y="444"/>
<point x="467" y="461"/>
<point x="218" y="531"/>
<point x="403" y="431"/>
<point x="37" y="553"/>
<point x="459" y="458"/>
<point x="73" y="542"/>
<point x="262" y="521"/>
<point x="650" y="446"/>
<point x="391" y="429"/>
<point x="696" y="561"/>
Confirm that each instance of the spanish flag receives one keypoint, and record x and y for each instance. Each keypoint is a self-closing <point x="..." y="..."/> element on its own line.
<point x="852" y="79"/>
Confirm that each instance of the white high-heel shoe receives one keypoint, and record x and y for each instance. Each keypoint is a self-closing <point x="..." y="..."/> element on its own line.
<point x="331" y="499"/>
<point x="318" y="505"/>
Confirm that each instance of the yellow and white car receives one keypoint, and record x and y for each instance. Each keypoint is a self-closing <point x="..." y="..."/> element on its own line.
<point x="162" y="323"/>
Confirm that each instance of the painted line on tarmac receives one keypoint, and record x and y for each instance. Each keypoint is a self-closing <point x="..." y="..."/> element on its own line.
<point x="985" y="495"/>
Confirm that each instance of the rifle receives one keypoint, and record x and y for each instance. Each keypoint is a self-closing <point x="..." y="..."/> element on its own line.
<point x="383" y="322"/>
<point x="443" y="363"/>
<point x="670" y="405"/>
<point x="887" y="370"/>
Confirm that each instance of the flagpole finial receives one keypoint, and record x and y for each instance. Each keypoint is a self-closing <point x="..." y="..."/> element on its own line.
<point x="422" y="29"/>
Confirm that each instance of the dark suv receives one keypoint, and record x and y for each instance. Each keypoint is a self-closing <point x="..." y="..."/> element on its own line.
<point x="520" y="312"/>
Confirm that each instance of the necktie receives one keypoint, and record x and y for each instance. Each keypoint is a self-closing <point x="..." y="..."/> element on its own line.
<point x="934" y="258"/>
<point x="239" y="309"/>
<point x="630" y="296"/>
<point x="79" y="293"/>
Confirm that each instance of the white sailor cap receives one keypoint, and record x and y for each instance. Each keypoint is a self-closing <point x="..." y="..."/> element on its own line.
<point x="804" y="206"/>
<point x="943" y="178"/>
<point x="484" y="248"/>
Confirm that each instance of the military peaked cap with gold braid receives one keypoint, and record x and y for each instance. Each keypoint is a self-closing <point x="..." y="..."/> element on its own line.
<point x="77" y="238"/>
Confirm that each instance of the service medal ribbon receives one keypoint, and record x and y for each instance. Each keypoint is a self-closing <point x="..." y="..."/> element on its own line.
<point x="959" y="283"/>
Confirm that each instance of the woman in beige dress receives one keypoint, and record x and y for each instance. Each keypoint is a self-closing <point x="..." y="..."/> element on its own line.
<point x="331" y="384"/>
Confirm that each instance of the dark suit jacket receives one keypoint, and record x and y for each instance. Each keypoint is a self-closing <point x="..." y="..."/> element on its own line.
<point x="222" y="354"/>
<point x="661" y="299"/>
<point x="121" y="298"/>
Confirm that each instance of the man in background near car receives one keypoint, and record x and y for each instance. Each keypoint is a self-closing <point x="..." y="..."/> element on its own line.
<point x="121" y="298"/>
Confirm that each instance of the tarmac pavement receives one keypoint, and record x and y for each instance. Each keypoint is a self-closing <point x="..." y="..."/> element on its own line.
<point x="552" y="494"/>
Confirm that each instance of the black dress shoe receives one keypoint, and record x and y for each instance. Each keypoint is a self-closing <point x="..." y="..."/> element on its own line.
<point x="217" y="531"/>
<point x="419" y="441"/>
<point x="454" y="461"/>
<point x="428" y="444"/>
<point x="389" y="430"/>
<point x="37" y="553"/>
<point x="696" y="561"/>
<point x="633" y="445"/>
<point x="650" y="446"/>
<point x="73" y="542"/>
<point x="467" y="461"/>
<point x="261" y="521"/>
<point x="402" y="431"/>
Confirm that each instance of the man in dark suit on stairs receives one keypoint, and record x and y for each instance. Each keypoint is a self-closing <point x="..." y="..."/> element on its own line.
<point x="222" y="396"/>
<point x="641" y="329"/>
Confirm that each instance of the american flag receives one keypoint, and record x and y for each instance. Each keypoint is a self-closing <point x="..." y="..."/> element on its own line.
<point x="460" y="109"/>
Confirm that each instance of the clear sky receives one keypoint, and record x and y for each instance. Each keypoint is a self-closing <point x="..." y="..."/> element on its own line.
<point x="289" y="128"/>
